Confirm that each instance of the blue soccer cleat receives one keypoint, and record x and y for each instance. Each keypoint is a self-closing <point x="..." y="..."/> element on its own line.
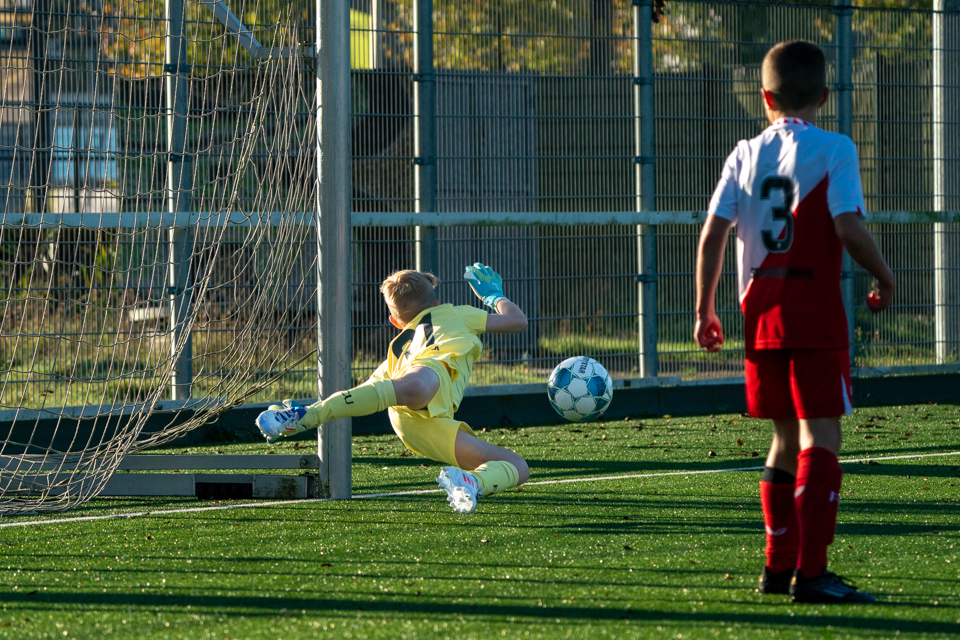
<point x="278" y="422"/>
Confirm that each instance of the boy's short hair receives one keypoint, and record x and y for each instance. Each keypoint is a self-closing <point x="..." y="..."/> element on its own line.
<point x="795" y="72"/>
<point x="409" y="292"/>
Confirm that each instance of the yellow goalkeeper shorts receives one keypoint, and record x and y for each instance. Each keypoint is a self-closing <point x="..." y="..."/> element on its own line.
<point x="434" y="437"/>
<point x="431" y="431"/>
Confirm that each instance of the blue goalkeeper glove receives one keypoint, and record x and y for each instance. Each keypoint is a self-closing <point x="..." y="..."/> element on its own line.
<point x="486" y="283"/>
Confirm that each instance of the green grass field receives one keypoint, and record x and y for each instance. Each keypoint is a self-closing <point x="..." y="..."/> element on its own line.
<point x="661" y="556"/>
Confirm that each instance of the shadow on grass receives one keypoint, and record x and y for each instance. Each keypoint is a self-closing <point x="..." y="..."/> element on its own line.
<point x="592" y="512"/>
<point x="556" y="469"/>
<point x="902" y="469"/>
<point x="541" y="614"/>
<point x="568" y="468"/>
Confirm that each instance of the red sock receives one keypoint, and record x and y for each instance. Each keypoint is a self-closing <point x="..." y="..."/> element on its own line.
<point x="780" y="518"/>
<point x="817" y="498"/>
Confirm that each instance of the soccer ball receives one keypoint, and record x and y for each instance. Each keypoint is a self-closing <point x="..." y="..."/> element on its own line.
<point x="580" y="389"/>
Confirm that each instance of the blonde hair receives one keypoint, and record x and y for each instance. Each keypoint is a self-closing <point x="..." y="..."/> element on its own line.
<point x="409" y="292"/>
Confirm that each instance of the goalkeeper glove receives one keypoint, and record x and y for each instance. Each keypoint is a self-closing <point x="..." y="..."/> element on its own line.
<point x="486" y="283"/>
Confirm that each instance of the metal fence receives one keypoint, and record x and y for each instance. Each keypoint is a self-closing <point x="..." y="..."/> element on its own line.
<point x="562" y="127"/>
<point x="538" y="110"/>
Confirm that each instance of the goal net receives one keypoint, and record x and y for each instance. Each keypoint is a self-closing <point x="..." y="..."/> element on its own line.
<point x="157" y="237"/>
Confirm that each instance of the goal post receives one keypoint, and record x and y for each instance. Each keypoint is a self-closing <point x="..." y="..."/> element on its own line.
<point x="334" y="297"/>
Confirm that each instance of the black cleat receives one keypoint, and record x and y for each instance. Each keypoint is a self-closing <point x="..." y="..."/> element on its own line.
<point x="775" y="582"/>
<point x="826" y="588"/>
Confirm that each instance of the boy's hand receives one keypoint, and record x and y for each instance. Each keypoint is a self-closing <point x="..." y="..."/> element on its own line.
<point x="880" y="298"/>
<point x="486" y="283"/>
<point x="708" y="332"/>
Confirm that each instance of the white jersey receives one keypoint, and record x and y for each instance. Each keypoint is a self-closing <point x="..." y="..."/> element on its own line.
<point x="783" y="189"/>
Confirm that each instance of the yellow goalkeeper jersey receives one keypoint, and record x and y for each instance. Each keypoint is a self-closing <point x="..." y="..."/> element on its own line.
<point x="443" y="338"/>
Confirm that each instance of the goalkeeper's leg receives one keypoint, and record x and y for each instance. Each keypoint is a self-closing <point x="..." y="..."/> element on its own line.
<point x="496" y="469"/>
<point x="489" y="469"/>
<point x="415" y="390"/>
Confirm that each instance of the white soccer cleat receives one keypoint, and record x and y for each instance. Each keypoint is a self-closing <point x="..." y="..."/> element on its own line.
<point x="461" y="487"/>
<point x="278" y="423"/>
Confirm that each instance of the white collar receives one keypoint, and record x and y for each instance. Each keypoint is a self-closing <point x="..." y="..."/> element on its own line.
<point x="791" y="120"/>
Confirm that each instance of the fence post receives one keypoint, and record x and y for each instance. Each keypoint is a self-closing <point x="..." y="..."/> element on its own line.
<point x="40" y="169"/>
<point x="644" y="161"/>
<point x="334" y="193"/>
<point x="376" y="20"/>
<point x="843" y="13"/>
<point x="180" y="238"/>
<point x="425" y="132"/>
<point x="946" y="181"/>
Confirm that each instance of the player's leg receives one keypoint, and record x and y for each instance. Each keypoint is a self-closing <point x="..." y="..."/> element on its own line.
<point x="817" y="493"/>
<point x="822" y="392"/>
<point x="483" y="469"/>
<point x="414" y="389"/>
<point x="498" y="469"/>
<point x="779" y="511"/>
<point x="820" y="381"/>
<point x="785" y="446"/>
<point x="769" y="396"/>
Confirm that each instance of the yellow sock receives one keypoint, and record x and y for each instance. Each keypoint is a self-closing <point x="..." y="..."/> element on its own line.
<point x="368" y="398"/>
<point x="496" y="476"/>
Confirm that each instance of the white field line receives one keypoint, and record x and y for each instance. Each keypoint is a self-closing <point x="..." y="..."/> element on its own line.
<point x="627" y="476"/>
<point x="393" y="494"/>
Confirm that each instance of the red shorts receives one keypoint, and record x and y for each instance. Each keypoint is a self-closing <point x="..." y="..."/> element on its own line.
<point x="798" y="383"/>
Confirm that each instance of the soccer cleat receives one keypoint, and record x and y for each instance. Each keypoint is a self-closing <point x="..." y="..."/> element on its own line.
<point x="772" y="582"/>
<point x="277" y="423"/>
<point x="827" y="588"/>
<point x="462" y="489"/>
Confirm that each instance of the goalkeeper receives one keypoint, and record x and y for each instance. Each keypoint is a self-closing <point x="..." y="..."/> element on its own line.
<point x="422" y="381"/>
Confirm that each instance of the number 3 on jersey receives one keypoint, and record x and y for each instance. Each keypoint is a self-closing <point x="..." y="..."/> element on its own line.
<point x="785" y="185"/>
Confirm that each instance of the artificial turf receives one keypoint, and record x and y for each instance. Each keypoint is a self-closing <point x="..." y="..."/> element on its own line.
<point x="661" y="556"/>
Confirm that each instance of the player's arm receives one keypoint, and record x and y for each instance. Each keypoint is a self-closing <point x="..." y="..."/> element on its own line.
<point x="488" y="286"/>
<point x="508" y="319"/>
<point x="713" y="242"/>
<point x="861" y="247"/>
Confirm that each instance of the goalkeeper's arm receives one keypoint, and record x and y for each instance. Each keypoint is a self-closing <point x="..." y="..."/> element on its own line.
<point x="508" y="319"/>
<point x="488" y="286"/>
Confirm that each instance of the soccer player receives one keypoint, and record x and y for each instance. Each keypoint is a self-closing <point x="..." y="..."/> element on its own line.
<point x="421" y="384"/>
<point x="794" y="194"/>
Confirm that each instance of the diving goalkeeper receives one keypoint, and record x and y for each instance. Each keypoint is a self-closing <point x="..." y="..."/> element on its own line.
<point x="421" y="384"/>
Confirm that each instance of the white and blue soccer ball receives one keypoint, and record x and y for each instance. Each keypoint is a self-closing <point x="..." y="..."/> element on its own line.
<point x="580" y="389"/>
